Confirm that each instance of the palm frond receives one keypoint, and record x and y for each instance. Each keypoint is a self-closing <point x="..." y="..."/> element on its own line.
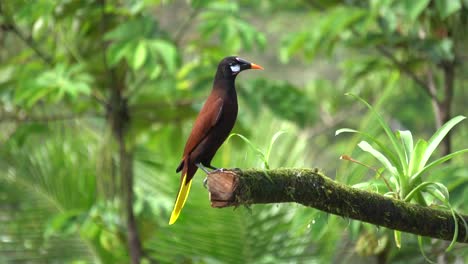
<point x="39" y="179"/>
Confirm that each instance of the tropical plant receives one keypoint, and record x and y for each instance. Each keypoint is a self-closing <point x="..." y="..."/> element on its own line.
<point x="406" y="163"/>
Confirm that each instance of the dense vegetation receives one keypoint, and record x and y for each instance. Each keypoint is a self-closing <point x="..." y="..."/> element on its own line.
<point x="97" y="98"/>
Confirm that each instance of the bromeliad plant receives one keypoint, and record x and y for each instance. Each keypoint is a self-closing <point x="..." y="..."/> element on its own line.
<point x="406" y="163"/>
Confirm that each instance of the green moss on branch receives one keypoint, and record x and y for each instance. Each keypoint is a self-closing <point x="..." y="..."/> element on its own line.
<point x="311" y="188"/>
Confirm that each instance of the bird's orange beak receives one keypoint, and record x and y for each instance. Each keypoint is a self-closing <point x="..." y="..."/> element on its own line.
<point x="255" y="66"/>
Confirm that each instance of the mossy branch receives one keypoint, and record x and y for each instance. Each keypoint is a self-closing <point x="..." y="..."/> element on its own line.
<point x="311" y="188"/>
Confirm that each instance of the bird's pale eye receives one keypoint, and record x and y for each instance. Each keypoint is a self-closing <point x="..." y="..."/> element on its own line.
<point x="235" y="68"/>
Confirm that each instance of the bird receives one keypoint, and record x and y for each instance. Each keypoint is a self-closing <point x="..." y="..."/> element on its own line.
<point x="211" y="128"/>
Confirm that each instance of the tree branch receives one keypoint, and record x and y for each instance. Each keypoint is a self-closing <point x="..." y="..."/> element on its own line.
<point x="434" y="101"/>
<point x="311" y="188"/>
<point x="389" y="55"/>
<point x="448" y="68"/>
<point x="408" y="72"/>
<point x="28" y="40"/>
<point x="183" y="28"/>
<point x="402" y="68"/>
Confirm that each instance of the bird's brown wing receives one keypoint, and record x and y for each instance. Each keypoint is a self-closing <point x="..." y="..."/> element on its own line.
<point x="206" y="120"/>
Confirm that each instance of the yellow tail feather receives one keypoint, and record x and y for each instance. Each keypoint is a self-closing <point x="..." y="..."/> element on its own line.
<point x="181" y="198"/>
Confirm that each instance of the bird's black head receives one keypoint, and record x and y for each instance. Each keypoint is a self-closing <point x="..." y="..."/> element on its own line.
<point x="231" y="66"/>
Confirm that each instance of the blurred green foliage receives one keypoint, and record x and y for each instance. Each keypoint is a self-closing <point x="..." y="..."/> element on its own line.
<point x="60" y="196"/>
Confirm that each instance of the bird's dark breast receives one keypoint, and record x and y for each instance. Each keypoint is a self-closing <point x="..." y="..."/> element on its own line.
<point x="206" y="150"/>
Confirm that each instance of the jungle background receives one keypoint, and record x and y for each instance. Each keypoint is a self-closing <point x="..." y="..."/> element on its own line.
<point x="97" y="99"/>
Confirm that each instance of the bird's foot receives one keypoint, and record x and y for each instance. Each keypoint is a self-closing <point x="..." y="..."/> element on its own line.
<point x="203" y="168"/>
<point x="218" y="170"/>
<point x="205" y="181"/>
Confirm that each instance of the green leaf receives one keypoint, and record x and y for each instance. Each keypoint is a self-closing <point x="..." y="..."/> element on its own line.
<point x="328" y="30"/>
<point x="397" y="236"/>
<point x="65" y="223"/>
<point x="447" y="7"/>
<point x="439" y="135"/>
<point x="437" y="194"/>
<point x="270" y="147"/>
<point x="291" y="45"/>
<point x="387" y="153"/>
<point x="414" y="8"/>
<point x="379" y="156"/>
<point x="50" y="194"/>
<point x="438" y="50"/>
<point x="251" y="145"/>
<point x="388" y="20"/>
<point x="346" y="130"/>
<point x="366" y="185"/>
<point x="415" y="164"/>
<point x="132" y="29"/>
<point x="247" y="34"/>
<point x="442" y="191"/>
<point x="118" y="51"/>
<point x="140" y="55"/>
<point x="455" y="232"/>
<point x="167" y="52"/>
<point x="39" y="27"/>
<point x="398" y="148"/>
<point x="155" y="71"/>
<point x="421" y="249"/>
<point x="465" y="224"/>
<point x="407" y="140"/>
<point x="437" y="162"/>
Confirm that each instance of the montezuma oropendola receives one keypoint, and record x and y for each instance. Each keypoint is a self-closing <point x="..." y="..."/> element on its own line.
<point x="212" y="126"/>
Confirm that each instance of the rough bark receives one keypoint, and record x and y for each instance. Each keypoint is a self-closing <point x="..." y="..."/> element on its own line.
<point x="311" y="188"/>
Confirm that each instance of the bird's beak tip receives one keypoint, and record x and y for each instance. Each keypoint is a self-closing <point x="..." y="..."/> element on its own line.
<point x="255" y="66"/>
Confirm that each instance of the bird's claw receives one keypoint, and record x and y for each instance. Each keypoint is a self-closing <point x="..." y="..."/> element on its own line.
<point x="205" y="181"/>
<point x="218" y="170"/>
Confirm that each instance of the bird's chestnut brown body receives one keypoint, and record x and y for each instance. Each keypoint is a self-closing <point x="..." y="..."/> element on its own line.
<point x="212" y="126"/>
